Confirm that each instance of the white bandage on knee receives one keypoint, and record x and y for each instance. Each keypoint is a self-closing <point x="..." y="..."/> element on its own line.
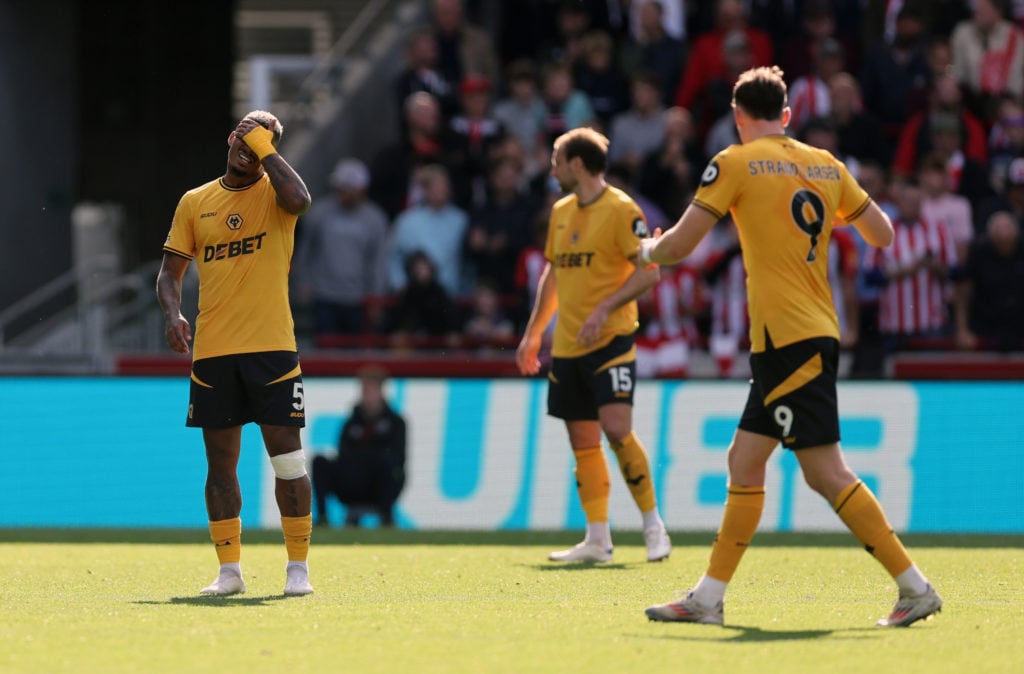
<point x="289" y="466"/>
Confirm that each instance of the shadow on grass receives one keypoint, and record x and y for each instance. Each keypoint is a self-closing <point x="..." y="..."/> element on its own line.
<point x="217" y="602"/>
<point x="740" y="634"/>
<point x="580" y="566"/>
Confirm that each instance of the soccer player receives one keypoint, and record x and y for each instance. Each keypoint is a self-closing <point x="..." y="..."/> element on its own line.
<point x="240" y="230"/>
<point x="592" y="281"/>
<point x="783" y="195"/>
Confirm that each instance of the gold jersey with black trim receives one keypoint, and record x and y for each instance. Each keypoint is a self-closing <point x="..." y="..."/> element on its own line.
<point x="589" y="249"/>
<point x="783" y="195"/>
<point x="242" y="243"/>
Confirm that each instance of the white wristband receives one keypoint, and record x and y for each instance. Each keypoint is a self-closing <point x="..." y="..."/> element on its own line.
<point x="645" y="255"/>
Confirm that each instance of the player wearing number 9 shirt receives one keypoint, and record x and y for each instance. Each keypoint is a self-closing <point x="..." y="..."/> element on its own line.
<point x="784" y="197"/>
<point x="592" y="279"/>
<point x="240" y="231"/>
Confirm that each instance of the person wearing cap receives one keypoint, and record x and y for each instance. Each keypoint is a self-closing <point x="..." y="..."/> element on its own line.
<point x="341" y="255"/>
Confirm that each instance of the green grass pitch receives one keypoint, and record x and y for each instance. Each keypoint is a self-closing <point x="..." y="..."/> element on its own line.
<point x="451" y="602"/>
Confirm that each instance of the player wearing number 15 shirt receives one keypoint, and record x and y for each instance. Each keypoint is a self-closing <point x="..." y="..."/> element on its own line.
<point x="592" y="280"/>
<point x="784" y="197"/>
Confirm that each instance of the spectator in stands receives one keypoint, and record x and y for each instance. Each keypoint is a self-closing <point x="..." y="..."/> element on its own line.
<point x="487" y="324"/>
<point x="421" y="73"/>
<point x="522" y="111"/>
<point x="572" y="21"/>
<point x="917" y="137"/>
<point x="619" y="175"/>
<point x="965" y="175"/>
<point x="600" y="77"/>
<point x="671" y="15"/>
<point x="640" y="130"/>
<point x="669" y="328"/>
<point x="896" y="73"/>
<point x="1010" y="199"/>
<point x="727" y="286"/>
<point x="809" y="95"/>
<point x="394" y="165"/>
<point x="341" y="256"/>
<point x="669" y="174"/>
<point x="843" y="270"/>
<point x="565" y="106"/>
<point x="940" y="205"/>
<point x="1006" y="138"/>
<point x="468" y="141"/>
<point x="803" y="48"/>
<point x="436" y="228"/>
<point x="423" y="312"/>
<point x="369" y="472"/>
<point x="859" y="132"/>
<point x="463" y="49"/>
<point x="706" y="60"/>
<point x="990" y="292"/>
<point x="988" y="57"/>
<point x="529" y="267"/>
<point x="870" y="348"/>
<point x="716" y="107"/>
<point x="500" y="228"/>
<point x="912" y="273"/>
<point x="652" y="48"/>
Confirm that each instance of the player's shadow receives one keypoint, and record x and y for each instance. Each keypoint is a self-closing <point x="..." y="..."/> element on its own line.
<point x="580" y="566"/>
<point x="218" y="602"/>
<point x="741" y="634"/>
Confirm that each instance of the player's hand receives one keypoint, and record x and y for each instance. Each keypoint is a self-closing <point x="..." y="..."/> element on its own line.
<point x="590" y="331"/>
<point x="646" y="247"/>
<point x="244" y="127"/>
<point x="178" y="334"/>
<point x="527" y="355"/>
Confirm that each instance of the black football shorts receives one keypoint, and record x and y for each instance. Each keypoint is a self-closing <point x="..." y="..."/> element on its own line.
<point x="577" y="387"/>
<point x="263" y="387"/>
<point x="793" y="394"/>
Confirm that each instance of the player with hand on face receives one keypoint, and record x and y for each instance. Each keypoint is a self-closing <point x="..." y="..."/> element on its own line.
<point x="591" y="279"/>
<point x="240" y="231"/>
<point x="783" y="196"/>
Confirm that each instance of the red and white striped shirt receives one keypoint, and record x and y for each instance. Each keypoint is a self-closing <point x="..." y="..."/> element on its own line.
<point x="913" y="304"/>
<point x="677" y="298"/>
<point x="842" y="263"/>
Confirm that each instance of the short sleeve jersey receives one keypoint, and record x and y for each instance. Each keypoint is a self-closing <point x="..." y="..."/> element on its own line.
<point x="783" y="196"/>
<point x="589" y="249"/>
<point x="242" y="242"/>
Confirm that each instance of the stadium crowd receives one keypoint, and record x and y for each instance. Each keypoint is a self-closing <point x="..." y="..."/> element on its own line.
<point x="438" y="239"/>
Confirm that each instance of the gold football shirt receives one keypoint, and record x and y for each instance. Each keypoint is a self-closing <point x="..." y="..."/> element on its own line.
<point x="783" y="196"/>
<point x="589" y="249"/>
<point x="242" y="242"/>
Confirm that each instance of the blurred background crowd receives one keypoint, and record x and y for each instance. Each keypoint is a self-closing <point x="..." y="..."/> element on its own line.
<point x="436" y="240"/>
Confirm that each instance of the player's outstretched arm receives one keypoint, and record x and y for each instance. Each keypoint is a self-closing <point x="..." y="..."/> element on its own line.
<point x="177" y="331"/>
<point x="680" y="240"/>
<point x="544" y="308"/>
<point x="874" y="225"/>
